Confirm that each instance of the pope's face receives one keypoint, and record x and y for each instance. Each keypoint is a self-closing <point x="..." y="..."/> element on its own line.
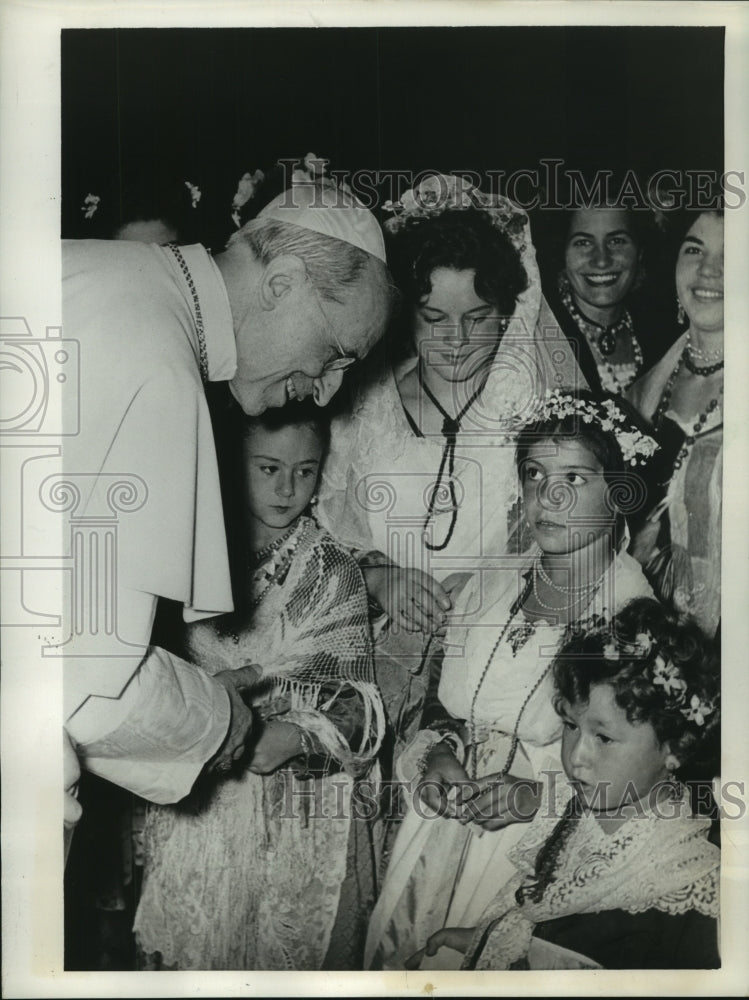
<point x="294" y="350"/>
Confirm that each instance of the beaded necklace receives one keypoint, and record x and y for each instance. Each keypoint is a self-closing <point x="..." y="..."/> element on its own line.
<point x="260" y="555"/>
<point x="203" y="350"/>
<point x="700" y="422"/>
<point x="277" y="570"/>
<point x="703" y="370"/>
<point x="603" y="341"/>
<point x="530" y="585"/>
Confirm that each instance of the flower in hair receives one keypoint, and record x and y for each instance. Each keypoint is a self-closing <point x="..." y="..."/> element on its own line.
<point x="644" y="642"/>
<point x="440" y="193"/>
<point x="635" y="446"/>
<point x="195" y="193"/>
<point x="611" y="651"/>
<point x="313" y="169"/>
<point x="90" y="205"/>
<point x="245" y="191"/>
<point x="667" y="676"/>
<point x="697" y="710"/>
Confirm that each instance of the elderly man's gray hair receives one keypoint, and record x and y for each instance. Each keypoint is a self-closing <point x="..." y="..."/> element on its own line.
<point x="331" y="264"/>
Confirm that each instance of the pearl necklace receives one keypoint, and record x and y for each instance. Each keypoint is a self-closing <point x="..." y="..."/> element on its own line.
<point x="539" y="568"/>
<point x="203" y="350"/>
<point x="699" y="355"/>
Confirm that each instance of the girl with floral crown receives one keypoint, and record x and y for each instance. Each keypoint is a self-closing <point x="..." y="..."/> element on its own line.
<point x="420" y="480"/>
<point x="270" y="869"/>
<point x="615" y="871"/>
<point x="475" y="775"/>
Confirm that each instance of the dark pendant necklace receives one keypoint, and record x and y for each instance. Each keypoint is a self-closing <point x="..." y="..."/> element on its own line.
<point x="607" y="342"/>
<point x="450" y="429"/>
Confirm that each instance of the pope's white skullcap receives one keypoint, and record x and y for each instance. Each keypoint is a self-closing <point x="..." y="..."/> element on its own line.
<point x="329" y="210"/>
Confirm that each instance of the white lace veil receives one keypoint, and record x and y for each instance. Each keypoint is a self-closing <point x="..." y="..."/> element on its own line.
<point x="534" y="355"/>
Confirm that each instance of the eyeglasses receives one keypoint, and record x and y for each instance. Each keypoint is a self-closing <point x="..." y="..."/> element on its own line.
<point x="343" y="362"/>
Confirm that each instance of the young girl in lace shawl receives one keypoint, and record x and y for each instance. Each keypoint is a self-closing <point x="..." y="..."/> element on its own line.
<point x="626" y="878"/>
<point x="267" y="870"/>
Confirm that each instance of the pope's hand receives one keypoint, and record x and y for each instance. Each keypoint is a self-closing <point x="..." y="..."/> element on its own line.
<point x="240" y="725"/>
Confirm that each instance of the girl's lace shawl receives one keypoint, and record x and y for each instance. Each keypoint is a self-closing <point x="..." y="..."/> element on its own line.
<point x="308" y="633"/>
<point x="247" y="880"/>
<point x="656" y="860"/>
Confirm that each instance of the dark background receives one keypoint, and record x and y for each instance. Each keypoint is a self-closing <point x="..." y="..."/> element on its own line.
<point x="143" y="110"/>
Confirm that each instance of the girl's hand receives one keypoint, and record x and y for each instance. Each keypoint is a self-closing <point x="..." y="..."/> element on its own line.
<point x="410" y="598"/>
<point x="500" y="802"/>
<point x="279" y="742"/>
<point x="457" y="938"/>
<point x="445" y="784"/>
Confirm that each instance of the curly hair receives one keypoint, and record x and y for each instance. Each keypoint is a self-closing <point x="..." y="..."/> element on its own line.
<point x="459" y="240"/>
<point x="583" y="663"/>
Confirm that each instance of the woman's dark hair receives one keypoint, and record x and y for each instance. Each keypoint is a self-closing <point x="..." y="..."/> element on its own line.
<point x="677" y="640"/>
<point x="460" y="240"/>
<point x="678" y="224"/>
<point x="627" y="491"/>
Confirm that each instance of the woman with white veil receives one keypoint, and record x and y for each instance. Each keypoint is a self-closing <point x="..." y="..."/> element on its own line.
<point x="420" y="480"/>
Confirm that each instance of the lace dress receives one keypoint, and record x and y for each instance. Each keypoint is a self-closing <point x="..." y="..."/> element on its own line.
<point x="654" y="883"/>
<point x="443" y="874"/>
<point x="252" y="875"/>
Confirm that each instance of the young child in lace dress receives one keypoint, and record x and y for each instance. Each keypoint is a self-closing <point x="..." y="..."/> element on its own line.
<point x="626" y="878"/>
<point x="267" y="869"/>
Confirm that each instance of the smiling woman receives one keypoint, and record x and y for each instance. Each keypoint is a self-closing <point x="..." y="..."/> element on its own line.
<point x="600" y="254"/>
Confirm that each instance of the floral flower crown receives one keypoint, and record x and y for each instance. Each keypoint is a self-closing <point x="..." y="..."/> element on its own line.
<point x="664" y="674"/>
<point x="440" y="193"/>
<point x="635" y="446"/>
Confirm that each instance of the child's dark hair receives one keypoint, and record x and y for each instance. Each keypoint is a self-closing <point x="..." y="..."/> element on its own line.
<point x="302" y="413"/>
<point x="662" y="669"/>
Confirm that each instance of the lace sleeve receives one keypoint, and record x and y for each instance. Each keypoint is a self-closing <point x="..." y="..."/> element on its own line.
<point x="339" y="510"/>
